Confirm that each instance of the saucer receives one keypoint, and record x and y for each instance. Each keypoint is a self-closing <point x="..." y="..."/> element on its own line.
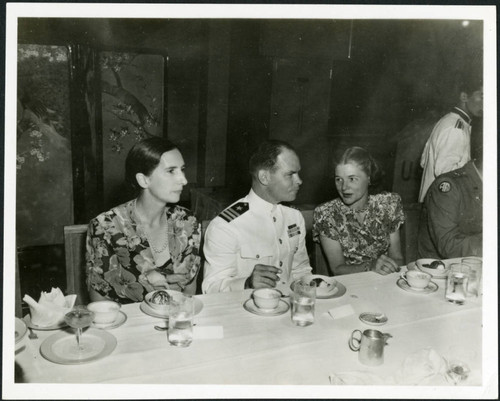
<point x="20" y="329"/>
<point x="373" y="319"/>
<point x="31" y="325"/>
<point x="431" y="287"/>
<point x="120" y="319"/>
<point x="250" y="306"/>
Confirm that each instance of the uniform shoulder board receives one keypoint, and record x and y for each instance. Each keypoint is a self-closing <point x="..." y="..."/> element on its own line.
<point x="234" y="211"/>
<point x="459" y="124"/>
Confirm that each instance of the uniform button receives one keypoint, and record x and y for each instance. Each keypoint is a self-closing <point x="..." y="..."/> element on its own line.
<point x="257" y="256"/>
<point x="280" y="241"/>
<point x="274" y="219"/>
<point x="281" y="263"/>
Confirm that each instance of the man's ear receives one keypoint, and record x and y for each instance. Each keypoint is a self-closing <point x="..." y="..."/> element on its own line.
<point x="142" y="180"/>
<point x="263" y="176"/>
<point x="464" y="97"/>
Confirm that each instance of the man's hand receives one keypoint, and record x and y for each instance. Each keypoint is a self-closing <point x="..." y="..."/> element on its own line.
<point x="263" y="276"/>
<point x="385" y="265"/>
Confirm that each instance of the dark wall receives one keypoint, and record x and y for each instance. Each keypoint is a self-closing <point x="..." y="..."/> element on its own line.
<point x="224" y="88"/>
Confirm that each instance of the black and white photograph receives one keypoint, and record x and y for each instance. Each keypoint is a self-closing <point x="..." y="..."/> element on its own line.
<point x="250" y="201"/>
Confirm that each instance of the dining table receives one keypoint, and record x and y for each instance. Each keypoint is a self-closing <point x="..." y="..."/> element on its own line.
<point x="252" y="349"/>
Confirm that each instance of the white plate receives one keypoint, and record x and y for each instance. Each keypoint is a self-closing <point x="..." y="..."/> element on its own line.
<point x="250" y="306"/>
<point x="148" y="310"/>
<point x="120" y="319"/>
<point x="21" y="329"/>
<point x="336" y="290"/>
<point x="56" y="348"/>
<point x="431" y="287"/>
<point x="30" y="324"/>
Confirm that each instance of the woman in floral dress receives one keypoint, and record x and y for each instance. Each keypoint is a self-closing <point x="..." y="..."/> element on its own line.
<point x="147" y="243"/>
<point x="359" y="231"/>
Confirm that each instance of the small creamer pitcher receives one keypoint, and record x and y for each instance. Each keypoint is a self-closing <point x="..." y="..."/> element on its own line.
<point x="370" y="346"/>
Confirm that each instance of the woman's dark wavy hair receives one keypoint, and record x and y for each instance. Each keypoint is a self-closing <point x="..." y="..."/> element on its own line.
<point x="361" y="157"/>
<point x="144" y="157"/>
<point x="264" y="158"/>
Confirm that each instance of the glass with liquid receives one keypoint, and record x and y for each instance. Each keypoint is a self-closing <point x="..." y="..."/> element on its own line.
<point x="303" y="301"/>
<point x="456" y="283"/>
<point x="476" y="268"/>
<point x="180" y="322"/>
<point x="78" y="318"/>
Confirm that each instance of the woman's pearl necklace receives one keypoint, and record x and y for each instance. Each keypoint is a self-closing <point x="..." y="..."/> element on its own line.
<point x="153" y="248"/>
<point x="362" y="210"/>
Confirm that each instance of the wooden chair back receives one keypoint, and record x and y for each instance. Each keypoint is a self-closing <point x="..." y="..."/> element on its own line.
<point x="75" y="237"/>
<point x="19" y="307"/>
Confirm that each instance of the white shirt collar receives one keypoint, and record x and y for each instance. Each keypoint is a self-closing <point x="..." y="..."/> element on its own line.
<point x="257" y="202"/>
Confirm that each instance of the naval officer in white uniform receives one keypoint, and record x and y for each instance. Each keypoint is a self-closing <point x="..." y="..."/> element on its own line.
<point x="257" y="242"/>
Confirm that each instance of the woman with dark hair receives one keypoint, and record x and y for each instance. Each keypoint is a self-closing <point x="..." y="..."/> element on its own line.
<point x="147" y="243"/>
<point x="359" y="231"/>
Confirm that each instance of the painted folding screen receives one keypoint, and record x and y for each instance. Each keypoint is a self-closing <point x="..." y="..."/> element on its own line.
<point x="132" y="87"/>
<point x="44" y="171"/>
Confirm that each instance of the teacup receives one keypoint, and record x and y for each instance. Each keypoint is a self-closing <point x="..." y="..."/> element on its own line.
<point x="416" y="279"/>
<point x="266" y="298"/>
<point x="105" y="312"/>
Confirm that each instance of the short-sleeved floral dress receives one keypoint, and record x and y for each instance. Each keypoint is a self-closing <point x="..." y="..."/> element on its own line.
<point x="360" y="242"/>
<point x="120" y="262"/>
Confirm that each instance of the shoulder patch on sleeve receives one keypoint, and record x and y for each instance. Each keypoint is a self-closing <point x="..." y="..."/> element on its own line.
<point x="234" y="211"/>
<point x="459" y="124"/>
<point x="445" y="186"/>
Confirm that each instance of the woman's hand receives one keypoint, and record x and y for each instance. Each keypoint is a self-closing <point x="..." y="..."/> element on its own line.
<point x="385" y="265"/>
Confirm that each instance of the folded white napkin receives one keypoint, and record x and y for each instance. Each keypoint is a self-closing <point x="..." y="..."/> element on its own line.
<point x="207" y="332"/>
<point x="424" y="367"/>
<point x="341" y="311"/>
<point x="50" y="308"/>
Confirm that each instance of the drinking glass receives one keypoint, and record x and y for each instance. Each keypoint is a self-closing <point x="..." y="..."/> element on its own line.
<point x="78" y="318"/>
<point x="476" y="266"/>
<point x="303" y="300"/>
<point x="180" y="321"/>
<point x="456" y="283"/>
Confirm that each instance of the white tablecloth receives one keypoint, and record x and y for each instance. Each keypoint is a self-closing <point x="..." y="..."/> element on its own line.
<point x="271" y="350"/>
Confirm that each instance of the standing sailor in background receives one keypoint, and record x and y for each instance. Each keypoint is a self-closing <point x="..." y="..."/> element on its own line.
<point x="448" y="147"/>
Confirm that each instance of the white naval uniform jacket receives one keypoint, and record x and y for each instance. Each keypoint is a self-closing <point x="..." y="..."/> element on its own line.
<point x="253" y="231"/>
<point x="447" y="148"/>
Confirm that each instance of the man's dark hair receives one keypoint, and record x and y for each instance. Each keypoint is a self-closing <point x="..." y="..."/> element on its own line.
<point x="264" y="158"/>
<point x="469" y="84"/>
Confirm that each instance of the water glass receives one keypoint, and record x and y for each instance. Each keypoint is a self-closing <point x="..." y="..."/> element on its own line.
<point x="180" y="321"/>
<point x="476" y="267"/>
<point x="456" y="283"/>
<point x="303" y="300"/>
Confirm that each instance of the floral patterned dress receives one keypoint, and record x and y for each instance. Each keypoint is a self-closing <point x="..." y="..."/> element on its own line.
<point x="360" y="242"/>
<point x="120" y="262"/>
